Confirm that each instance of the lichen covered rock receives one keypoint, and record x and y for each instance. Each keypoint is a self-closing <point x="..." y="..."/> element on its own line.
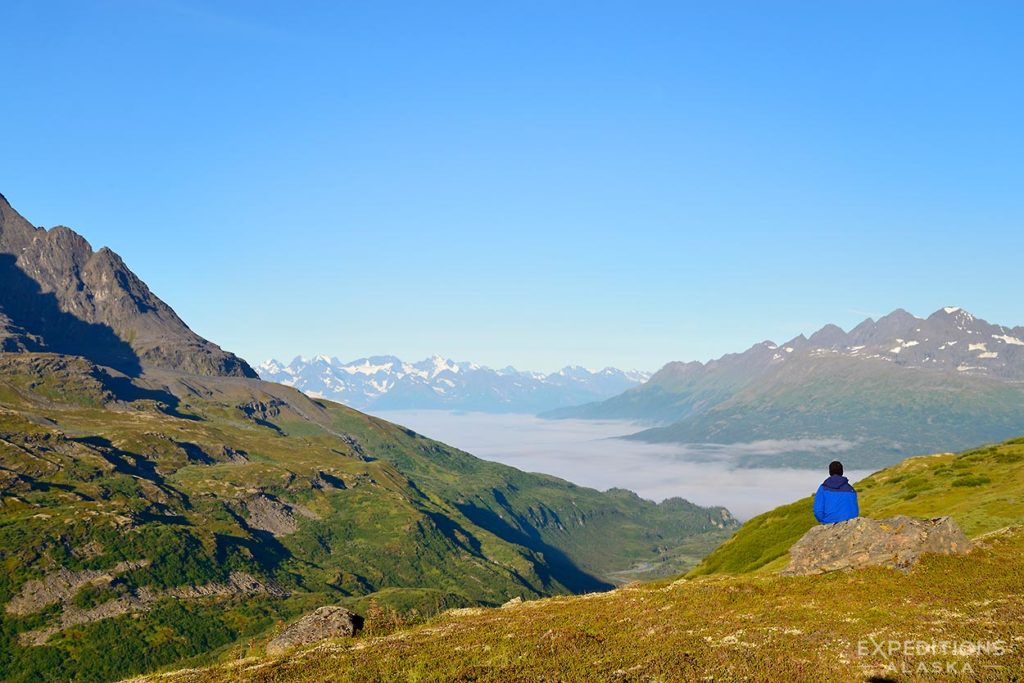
<point x="897" y="542"/>
<point x="325" y="622"/>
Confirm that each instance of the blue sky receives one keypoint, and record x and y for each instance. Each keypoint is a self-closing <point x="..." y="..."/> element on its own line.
<point x="527" y="183"/>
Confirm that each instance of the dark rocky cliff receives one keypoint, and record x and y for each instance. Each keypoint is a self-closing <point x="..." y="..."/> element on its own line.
<point x="57" y="294"/>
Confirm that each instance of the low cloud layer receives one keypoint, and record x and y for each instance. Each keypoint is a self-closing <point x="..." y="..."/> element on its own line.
<point x="587" y="453"/>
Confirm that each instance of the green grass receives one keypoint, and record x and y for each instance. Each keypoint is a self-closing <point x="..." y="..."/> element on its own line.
<point x="981" y="489"/>
<point x="734" y="619"/>
<point x="749" y="628"/>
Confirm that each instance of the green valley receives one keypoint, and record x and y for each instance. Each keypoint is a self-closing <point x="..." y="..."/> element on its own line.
<point x="152" y="520"/>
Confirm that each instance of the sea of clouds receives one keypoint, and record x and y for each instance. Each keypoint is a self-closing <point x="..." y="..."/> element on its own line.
<point x="586" y="452"/>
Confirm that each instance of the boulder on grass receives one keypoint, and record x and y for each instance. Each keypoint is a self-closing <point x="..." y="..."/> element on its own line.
<point x="896" y="542"/>
<point x="325" y="622"/>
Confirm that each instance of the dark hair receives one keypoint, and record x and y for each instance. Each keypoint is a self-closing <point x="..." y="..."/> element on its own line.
<point x="835" y="467"/>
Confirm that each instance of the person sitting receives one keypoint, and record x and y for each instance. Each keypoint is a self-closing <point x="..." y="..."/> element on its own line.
<point x="836" y="500"/>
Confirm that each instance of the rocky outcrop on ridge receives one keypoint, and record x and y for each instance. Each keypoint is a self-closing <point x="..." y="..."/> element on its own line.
<point x="897" y="542"/>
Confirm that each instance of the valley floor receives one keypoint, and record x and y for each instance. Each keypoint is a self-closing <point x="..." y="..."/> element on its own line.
<point x="874" y="624"/>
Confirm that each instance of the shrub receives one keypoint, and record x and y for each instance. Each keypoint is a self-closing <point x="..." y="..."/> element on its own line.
<point x="972" y="480"/>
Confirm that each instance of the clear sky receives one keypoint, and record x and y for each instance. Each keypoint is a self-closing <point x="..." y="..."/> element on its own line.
<point x="527" y="183"/>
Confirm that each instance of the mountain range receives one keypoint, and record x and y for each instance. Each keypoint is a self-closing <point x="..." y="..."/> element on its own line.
<point x="888" y="388"/>
<point x="160" y="504"/>
<point x="388" y="383"/>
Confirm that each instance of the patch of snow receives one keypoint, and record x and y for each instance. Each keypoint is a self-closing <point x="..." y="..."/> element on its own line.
<point x="382" y="387"/>
<point x="271" y="367"/>
<point x="789" y="349"/>
<point x="976" y="347"/>
<point x="1007" y="339"/>
<point x="903" y="345"/>
<point x="366" y="368"/>
<point x="951" y="309"/>
<point x="440" y="365"/>
<point x="989" y="354"/>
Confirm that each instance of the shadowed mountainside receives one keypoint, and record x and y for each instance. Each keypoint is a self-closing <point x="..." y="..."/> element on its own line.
<point x="61" y="296"/>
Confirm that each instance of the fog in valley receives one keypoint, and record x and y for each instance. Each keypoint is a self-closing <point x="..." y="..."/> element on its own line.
<point x="587" y="453"/>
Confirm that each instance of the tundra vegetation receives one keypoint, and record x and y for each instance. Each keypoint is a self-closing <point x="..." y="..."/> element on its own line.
<point x="735" y="618"/>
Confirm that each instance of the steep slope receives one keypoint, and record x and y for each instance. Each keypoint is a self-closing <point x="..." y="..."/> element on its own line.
<point x="388" y="383"/>
<point x="887" y="389"/>
<point x="952" y="618"/>
<point x="59" y="295"/>
<point x="982" y="489"/>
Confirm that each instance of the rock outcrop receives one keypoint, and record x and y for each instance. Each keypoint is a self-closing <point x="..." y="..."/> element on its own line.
<point x="270" y="514"/>
<point x="61" y="585"/>
<point x="238" y="583"/>
<point x="325" y="622"/>
<point x="59" y="295"/>
<point x="897" y="542"/>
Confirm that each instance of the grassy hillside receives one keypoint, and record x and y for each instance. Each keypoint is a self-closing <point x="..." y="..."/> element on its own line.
<point x="982" y="489"/>
<point x="751" y="628"/>
<point x="886" y="412"/>
<point x="171" y="518"/>
<point x="744" y="623"/>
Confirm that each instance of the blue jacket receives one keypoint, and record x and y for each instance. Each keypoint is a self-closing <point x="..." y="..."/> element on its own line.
<point x="835" y="501"/>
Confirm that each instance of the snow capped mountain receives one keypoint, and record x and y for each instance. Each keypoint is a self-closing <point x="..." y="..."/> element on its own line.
<point x="389" y="383"/>
<point x="950" y="339"/>
<point x="886" y="389"/>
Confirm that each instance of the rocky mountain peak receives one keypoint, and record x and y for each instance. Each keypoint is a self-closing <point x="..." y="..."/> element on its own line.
<point x="828" y="336"/>
<point x="59" y="295"/>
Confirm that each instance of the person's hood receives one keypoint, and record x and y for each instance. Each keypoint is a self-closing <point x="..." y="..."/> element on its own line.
<point x="837" y="482"/>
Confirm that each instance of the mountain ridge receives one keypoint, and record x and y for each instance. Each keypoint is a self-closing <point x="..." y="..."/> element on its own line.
<point x="890" y="388"/>
<point x="61" y="295"/>
<point x="389" y="383"/>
